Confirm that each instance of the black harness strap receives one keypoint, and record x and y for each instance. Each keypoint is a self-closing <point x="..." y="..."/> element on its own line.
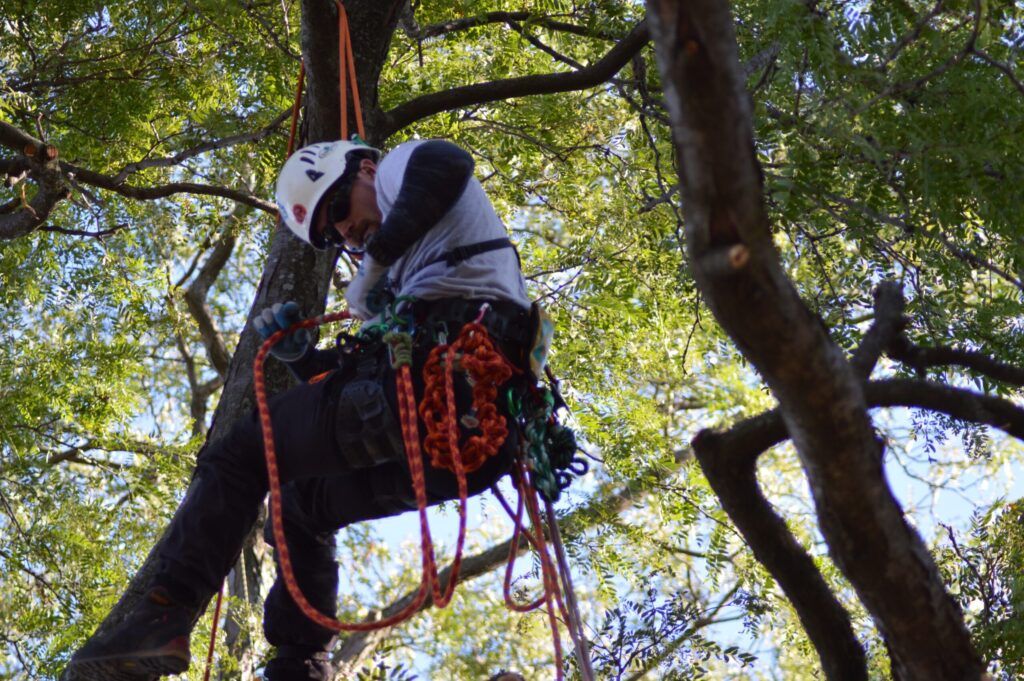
<point x="460" y="253"/>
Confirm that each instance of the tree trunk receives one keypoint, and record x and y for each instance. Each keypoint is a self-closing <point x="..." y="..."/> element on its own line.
<point x="293" y="270"/>
<point x="739" y="272"/>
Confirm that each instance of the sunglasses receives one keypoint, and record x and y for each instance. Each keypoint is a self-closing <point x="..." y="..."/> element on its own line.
<point x="338" y="205"/>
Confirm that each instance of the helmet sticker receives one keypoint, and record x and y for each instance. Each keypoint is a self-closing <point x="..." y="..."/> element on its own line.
<point x="299" y="211"/>
<point x="325" y="149"/>
<point x="314" y="175"/>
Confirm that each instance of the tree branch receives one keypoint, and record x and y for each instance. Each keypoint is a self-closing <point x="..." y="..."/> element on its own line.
<point x="729" y="462"/>
<point x="959" y="403"/>
<point x="820" y="395"/>
<point x="481" y="93"/>
<point x="919" y="358"/>
<point x="186" y="154"/>
<point x="162" y="191"/>
<point x="99" y="234"/>
<point x="1005" y="68"/>
<point x="889" y="305"/>
<point x="195" y="296"/>
<point x="446" y="27"/>
<point x="49" y="175"/>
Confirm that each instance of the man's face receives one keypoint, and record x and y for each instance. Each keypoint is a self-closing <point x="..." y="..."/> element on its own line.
<point x="363" y="217"/>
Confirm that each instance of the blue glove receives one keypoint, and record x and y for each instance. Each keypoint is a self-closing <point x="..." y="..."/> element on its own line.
<point x="277" y="317"/>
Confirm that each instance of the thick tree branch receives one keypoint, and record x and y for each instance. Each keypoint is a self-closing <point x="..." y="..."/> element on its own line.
<point x="33" y="213"/>
<point x="959" y="403"/>
<point x="821" y="399"/>
<point x="920" y="358"/>
<point x="481" y="93"/>
<point x="729" y="462"/>
<point x="17" y="139"/>
<point x="729" y="458"/>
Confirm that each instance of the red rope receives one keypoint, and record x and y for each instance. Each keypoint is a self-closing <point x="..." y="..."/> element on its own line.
<point x="410" y="435"/>
<point x="347" y="74"/>
<point x="552" y="596"/>
<point x="213" y="634"/>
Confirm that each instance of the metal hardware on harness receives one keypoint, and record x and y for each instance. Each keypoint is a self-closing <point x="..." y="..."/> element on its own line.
<point x="550" y="446"/>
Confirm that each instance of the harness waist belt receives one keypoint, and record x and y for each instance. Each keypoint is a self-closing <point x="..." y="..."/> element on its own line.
<point x="505" y="320"/>
<point x="460" y="253"/>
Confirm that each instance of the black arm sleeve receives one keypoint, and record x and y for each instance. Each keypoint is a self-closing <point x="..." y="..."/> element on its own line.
<point x="435" y="177"/>
<point x="312" y="363"/>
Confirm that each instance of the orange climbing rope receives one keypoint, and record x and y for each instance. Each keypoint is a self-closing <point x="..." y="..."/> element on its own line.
<point x="346" y="73"/>
<point x="295" y="111"/>
<point x="410" y="435"/>
<point x="213" y="634"/>
<point x="485" y="363"/>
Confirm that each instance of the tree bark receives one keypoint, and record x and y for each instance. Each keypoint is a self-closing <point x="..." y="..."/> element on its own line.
<point x="738" y="270"/>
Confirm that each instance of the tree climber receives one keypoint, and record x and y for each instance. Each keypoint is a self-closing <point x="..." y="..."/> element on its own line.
<point x="422" y="223"/>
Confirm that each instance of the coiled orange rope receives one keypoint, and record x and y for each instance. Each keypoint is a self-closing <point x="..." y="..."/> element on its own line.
<point x="486" y="369"/>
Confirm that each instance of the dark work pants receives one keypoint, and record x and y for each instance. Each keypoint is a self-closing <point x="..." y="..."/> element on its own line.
<point x="322" y="493"/>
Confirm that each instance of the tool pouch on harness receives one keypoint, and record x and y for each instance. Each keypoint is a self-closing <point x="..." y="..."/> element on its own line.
<point x="366" y="430"/>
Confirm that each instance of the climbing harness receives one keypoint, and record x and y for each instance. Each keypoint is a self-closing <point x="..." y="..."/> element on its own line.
<point x="400" y="342"/>
<point x="474" y="353"/>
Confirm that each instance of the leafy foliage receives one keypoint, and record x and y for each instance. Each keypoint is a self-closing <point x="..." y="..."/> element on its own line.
<point x="889" y="137"/>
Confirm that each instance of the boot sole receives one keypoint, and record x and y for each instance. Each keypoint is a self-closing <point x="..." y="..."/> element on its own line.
<point x="129" y="667"/>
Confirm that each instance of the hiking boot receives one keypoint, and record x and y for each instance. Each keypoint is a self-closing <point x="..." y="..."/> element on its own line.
<point x="305" y="666"/>
<point x="152" y="640"/>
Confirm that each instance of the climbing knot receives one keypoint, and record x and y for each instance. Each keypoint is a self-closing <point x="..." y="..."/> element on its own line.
<point x="400" y="343"/>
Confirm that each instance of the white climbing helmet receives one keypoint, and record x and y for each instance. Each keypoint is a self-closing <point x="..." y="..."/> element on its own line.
<point x="306" y="177"/>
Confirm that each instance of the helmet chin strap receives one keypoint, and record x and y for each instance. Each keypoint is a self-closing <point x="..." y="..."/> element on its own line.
<point x="338" y="242"/>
